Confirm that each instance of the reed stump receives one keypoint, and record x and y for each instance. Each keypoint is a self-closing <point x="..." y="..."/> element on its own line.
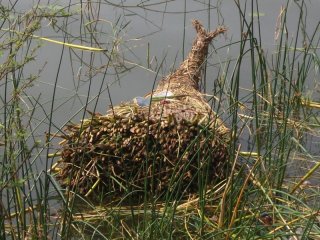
<point x="165" y="141"/>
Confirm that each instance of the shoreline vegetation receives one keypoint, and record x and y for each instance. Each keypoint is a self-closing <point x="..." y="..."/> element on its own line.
<point x="239" y="160"/>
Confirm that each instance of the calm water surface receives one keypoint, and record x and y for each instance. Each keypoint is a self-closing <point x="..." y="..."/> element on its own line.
<point x="154" y="31"/>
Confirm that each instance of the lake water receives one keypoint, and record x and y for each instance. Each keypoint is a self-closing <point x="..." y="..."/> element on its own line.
<point x="151" y="38"/>
<point x="159" y="30"/>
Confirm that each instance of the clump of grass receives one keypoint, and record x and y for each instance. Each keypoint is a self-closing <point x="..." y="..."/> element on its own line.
<point x="264" y="197"/>
<point x="18" y="143"/>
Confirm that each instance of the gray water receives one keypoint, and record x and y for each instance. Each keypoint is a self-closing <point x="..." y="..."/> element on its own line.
<point x="162" y="29"/>
<point x="159" y="30"/>
<point x="159" y="27"/>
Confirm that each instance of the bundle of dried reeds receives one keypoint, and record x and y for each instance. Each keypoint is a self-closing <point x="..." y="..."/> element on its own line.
<point x="161" y="142"/>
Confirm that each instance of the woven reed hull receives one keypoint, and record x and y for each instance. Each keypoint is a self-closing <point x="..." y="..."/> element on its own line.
<point x="157" y="148"/>
<point x="134" y="151"/>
